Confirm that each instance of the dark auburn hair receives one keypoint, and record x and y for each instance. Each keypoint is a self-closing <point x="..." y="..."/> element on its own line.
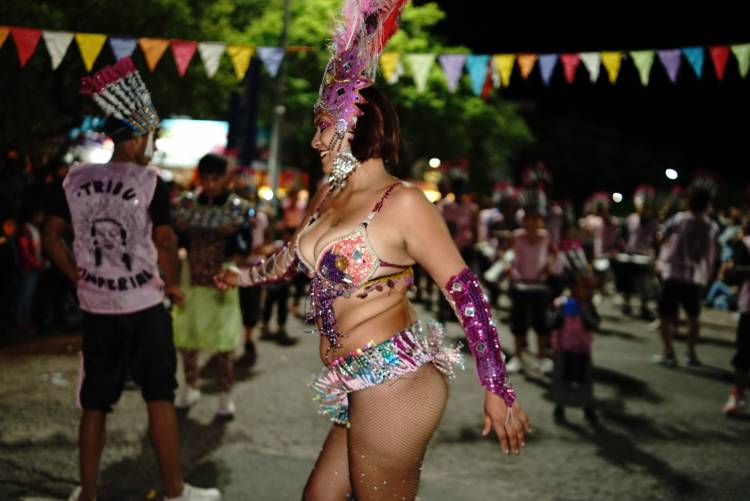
<point x="376" y="134"/>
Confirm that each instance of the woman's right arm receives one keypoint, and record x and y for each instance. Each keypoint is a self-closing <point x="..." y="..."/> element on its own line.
<point x="278" y="266"/>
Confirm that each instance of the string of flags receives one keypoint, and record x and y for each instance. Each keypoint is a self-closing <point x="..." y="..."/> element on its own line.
<point x="90" y="46"/>
<point x="485" y="71"/>
<point x="491" y="71"/>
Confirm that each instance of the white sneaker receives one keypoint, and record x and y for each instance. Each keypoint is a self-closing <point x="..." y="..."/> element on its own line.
<point x="734" y="404"/>
<point x="226" y="406"/>
<point x="190" y="493"/>
<point x="545" y="365"/>
<point x="515" y="365"/>
<point x="76" y="494"/>
<point x="187" y="398"/>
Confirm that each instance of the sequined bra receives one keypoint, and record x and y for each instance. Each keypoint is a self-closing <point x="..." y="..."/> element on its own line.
<point x="346" y="266"/>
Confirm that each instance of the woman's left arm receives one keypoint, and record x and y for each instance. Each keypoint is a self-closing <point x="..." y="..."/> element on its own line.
<point x="428" y="242"/>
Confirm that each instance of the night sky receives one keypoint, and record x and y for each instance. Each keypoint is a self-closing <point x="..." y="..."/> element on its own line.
<point x="626" y="133"/>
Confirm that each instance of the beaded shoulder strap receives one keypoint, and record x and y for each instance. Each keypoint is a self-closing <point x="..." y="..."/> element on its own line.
<point x="378" y="206"/>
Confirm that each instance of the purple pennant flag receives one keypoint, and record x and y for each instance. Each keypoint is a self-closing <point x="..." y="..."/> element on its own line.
<point x="122" y="47"/>
<point x="694" y="55"/>
<point x="671" y="59"/>
<point x="453" y="65"/>
<point x="271" y="57"/>
<point x="477" y="66"/>
<point x="547" y="63"/>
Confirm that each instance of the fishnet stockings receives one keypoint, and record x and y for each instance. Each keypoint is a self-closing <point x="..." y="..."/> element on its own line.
<point x="380" y="456"/>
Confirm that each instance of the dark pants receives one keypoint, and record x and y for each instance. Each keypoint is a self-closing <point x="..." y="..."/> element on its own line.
<point x="250" y="305"/>
<point x="277" y="294"/>
<point x="114" y="346"/>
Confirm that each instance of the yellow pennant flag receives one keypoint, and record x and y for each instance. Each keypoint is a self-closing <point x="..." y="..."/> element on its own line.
<point x="240" y="56"/>
<point x="4" y="30"/>
<point x="612" y="62"/>
<point x="526" y="62"/>
<point x="90" y="45"/>
<point x="153" y="49"/>
<point x="389" y="65"/>
<point x="504" y="65"/>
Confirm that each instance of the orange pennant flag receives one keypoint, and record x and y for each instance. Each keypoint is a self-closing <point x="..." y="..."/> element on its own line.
<point x="153" y="49"/>
<point x="90" y="45"/>
<point x="4" y="30"/>
<point x="526" y="63"/>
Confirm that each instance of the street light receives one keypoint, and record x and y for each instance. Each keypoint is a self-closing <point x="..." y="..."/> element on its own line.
<point x="434" y="163"/>
<point x="671" y="174"/>
<point x="617" y="197"/>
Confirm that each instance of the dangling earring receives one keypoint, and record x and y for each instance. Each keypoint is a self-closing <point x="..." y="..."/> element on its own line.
<point x="343" y="165"/>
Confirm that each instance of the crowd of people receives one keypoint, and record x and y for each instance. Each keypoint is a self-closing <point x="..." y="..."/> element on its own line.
<point x="676" y="250"/>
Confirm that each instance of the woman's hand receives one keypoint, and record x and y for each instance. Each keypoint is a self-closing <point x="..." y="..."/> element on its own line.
<point x="227" y="278"/>
<point x="510" y="425"/>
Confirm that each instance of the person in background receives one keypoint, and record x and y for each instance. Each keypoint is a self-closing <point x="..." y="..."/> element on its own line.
<point x="687" y="260"/>
<point x="573" y="321"/>
<point x="535" y="255"/>
<point x="32" y="265"/>
<point x="213" y="221"/>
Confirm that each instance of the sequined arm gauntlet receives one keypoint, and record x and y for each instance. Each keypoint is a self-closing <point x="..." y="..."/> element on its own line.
<point x="473" y="311"/>
<point x="276" y="268"/>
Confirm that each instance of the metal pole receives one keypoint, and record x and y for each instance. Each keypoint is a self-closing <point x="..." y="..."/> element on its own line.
<point x="278" y="109"/>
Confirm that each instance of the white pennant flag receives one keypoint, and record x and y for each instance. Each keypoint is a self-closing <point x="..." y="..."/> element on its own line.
<point x="57" y="43"/>
<point x="592" y="61"/>
<point x="420" y="64"/>
<point x="211" y="53"/>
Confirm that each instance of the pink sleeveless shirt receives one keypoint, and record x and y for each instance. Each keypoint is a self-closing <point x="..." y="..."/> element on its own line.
<point x="113" y="246"/>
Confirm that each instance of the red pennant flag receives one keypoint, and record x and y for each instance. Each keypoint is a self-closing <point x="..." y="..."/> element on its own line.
<point x="183" y="51"/>
<point x="487" y="88"/>
<point x="26" y="41"/>
<point x="570" y="64"/>
<point x="720" y="56"/>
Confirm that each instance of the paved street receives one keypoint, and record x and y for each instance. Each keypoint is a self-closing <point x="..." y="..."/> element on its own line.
<point x="663" y="435"/>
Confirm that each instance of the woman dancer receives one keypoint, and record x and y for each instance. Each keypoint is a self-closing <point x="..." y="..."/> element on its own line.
<point x="384" y="385"/>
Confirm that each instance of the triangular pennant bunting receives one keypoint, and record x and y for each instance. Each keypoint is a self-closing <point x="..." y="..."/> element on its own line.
<point x="720" y="58"/>
<point x="183" y="52"/>
<point x="742" y="53"/>
<point x="4" y="32"/>
<point x="526" y="63"/>
<point x="57" y="43"/>
<point x="90" y="45"/>
<point x="122" y="47"/>
<point x="388" y="65"/>
<point x="643" y="60"/>
<point x="211" y="53"/>
<point x="671" y="59"/>
<point x="26" y="40"/>
<point x="504" y="65"/>
<point x="240" y="56"/>
<point x="153" y="49"/>
<point x="547" y="63"/>
<point x="612" y="61"/>
<point x="593" y="63"/>
<point x="420" y="65"/>
<point x="271" y="57"/>
<point x="453" y="65"/>
<point x="570" y="64"/>
<point x="477" y="66"/>
<point x="695" y="56"/>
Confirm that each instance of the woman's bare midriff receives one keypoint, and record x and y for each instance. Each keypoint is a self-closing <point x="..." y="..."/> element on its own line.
<point x="375" y="318"/>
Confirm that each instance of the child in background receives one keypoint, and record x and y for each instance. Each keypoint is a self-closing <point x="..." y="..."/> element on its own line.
<point x="573" y="321"/>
